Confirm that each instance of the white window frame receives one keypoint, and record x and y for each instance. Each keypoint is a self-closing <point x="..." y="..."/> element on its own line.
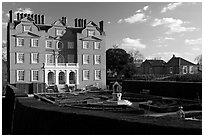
<point x="59" y="30"/>
<point x="18" y="71"/>
<point x="32" y="58"/>
<point x="32" y="75"/>
<point x="95" y="75"/>
<point x="72" y="56"/>
<point x="90" y="33"/>
<point x="17" y="41"/>
<point x="46" y="57"/>
<point x="17" y="58"/>
<point x="185" y="68"/>
<point x="47" y="44"/>
<point x="84" y="75"/>
<point x="58" y="45"/>
<point x="191" y="71"/>
<point x="85" y="46"/>
<point x="171" y="70"/>
<point x="70" y="45"/>
<point x="96" y="60"/>
<point x="26" y="26"/>
<point x="85" y="62"/>
<point x="32" y="42"/>
<point x="97" y="46"/>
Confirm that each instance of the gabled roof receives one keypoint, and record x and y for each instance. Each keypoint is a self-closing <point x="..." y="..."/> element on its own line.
<point x="91" y="38"/>
<point x="178" y="61"/>
<point x="26" y="34"/>
<point x="91" y="23"/>
<point x="156" y="63"/>
<point x="27" y="19"/>
<point x="44" y="27"/>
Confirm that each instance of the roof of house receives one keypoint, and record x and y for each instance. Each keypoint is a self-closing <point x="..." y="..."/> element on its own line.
<point x="156" y="63"/>
<point x="178" y="61"/>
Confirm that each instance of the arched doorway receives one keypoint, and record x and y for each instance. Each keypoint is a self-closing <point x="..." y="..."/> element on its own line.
<point x="60" y="59"/>
<point x="51" y="80"/>
<point x="61" y="78"/>
<point x="72" y="78"/>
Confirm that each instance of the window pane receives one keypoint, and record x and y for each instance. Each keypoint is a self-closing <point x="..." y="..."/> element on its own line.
<point x="85" y="44"/>
<point x="20" y="41"/>
<point x="35" y="75"/>
<point x="97" y="45"/>
<point x="70" y="45"/>
<point x="35" y="42"/>
<point x="20" y="75"/>
<point x="49" y="44"/>
<point x="71" y="58"/>
<point x="91" y="32"/>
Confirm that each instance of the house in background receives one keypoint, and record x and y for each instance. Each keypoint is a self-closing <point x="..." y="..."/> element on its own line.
<point x="55" y="54"/>
<point x="178" y="65"/>
<point x="153" y="67"/>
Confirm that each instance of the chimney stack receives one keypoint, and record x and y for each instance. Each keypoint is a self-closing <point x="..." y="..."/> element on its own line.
<point x="75" y="22"/>
<point x="101" y="25"/>
<point x="64" y="21"/>
<point x="18" y="16"/>
<point x="43" y="19"/>
<point x="25" y="14"/>
<point x="21" y="16"/>
<point x="36" y="18"/>
<point x="39" y="19"/>
<point x="85" y="23"/>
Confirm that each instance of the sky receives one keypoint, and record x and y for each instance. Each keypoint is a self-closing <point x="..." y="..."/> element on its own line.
<point x="156" y="29"/>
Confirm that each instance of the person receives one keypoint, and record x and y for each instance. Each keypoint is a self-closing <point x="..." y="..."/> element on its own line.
<point x="181" y="113"/>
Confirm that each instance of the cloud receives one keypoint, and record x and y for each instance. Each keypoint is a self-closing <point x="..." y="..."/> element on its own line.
<point x="145" y="8"/>
<point x="171" y="6"/>
<point x="130" y="44"/>
<point x="160" y="46"/>
<point x="193" y="41"/>
<point x="138" y="17"/>
<point x="162" y="39"/>
<point x="120" y="20"/>
<point x="174" y="25"/>
<point x="25" y="10"/>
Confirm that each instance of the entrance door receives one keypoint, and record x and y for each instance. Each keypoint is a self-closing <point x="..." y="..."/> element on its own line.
<point x="61" y="78"/>
<point x="51" y="78"/>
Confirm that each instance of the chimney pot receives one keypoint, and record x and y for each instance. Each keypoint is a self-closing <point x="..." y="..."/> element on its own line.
<point x="18" y="16"/>
<point x="42" y="19"/>
<point x="39" y="19"/>
<point x="21" y="16"/>
<point x="85" y="23"/>
<point x="31" y="16"/>
<point x="75" y="22"/>
<point x="79" y="24"/>
<point x="36" y="18"/>
<point x="10" y="16"/>
<point x="101" y="25"/>
<point x="25" y="14"/>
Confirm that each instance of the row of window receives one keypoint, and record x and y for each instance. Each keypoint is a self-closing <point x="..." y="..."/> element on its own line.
<point x="35" y="75"/>
<point x="58" y="32"/>
<point x="86" y="59"/>
<point x="21" y="75"/>
<point x="184" y="69"/>
<point x="85" y="45"/>
<point x="49" y="44"/>
<point x="86" y="75"/>
<point x="20" y="58"/>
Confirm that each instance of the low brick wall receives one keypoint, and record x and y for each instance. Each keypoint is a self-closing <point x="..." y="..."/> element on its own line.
<point x="186" y="90"/>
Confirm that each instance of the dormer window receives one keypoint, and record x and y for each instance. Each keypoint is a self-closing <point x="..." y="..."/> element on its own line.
<point x="26" y="28"/>
<point x="91" y="33"/>
<point x="59" y="32"/>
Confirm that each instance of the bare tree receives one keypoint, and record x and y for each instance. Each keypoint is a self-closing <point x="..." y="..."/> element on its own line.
<point x="198" y="59"/>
